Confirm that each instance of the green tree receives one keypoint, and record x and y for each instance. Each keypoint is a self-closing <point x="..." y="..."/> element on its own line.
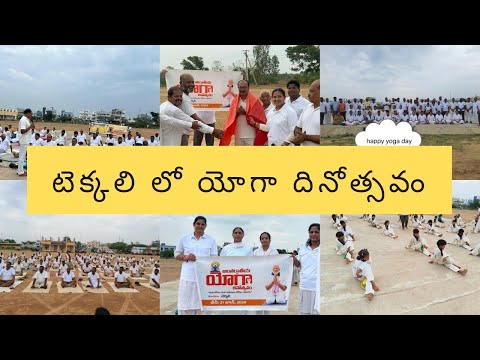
<point x="155" y="118"/>
<point x="166" y="254"/>
<point x="193" y="63"/>
<point x="155" y="243"/>
<point x="49" y="116"/>
<point x="282" y="251"/>
<point x="261" y="62"/>
<point x="274" y="66"/>
<point x="305" y="58"/>
<point x="238" y="66"/>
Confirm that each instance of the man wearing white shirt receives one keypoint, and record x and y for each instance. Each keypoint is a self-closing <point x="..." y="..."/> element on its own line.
<point x="62" y="139"/>
<point x="422" y="119"/>
<point x="334" y="106"/>
<point x="208" y="118"/>
<point x="135" y="271"/>
<point x="438" y="119"/>
<point x="110" y="141"/>
<point x="359" y="118"/>
<point x="129" y="141"/>
<point x="174" y="121"/>
<point x="468" y="110"/>
<point x="122" y="280"/>
<point x="323" y="109"/>
<point x="378" y="118"/>
<point x="151" y="142"/>
<point x="68" y="279"/>
<point x="86" y="268"/>
<point x="296" y="101"/>
<point x="37" y="141"/>
<point x="62" y="268"/>
<point x="7" y="275"/>
<point x="4" y="144"/>
<point x="476" y="112"/>
<point x="444" y="107"/>
<point x="7" y="133"/>
<point x="24" y="127"/>
<point x="81" y="137"/>
<point x="139" y="139"/>
<point x="157" y="139"/>
<point x="96" y="140"/>
<point x="40" y="279"/>
<point x="155" y="278"/>
<point x="307" y="131"/>
<point x="461" y="108"/>
<point x="49" y="141"/>
<point x="120" y="141"/>
<point x="350" y="120"/>
<point x="94" y="279"/>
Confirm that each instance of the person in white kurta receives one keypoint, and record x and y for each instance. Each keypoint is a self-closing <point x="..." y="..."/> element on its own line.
<point x="344" y="247"/>
<point x="155" y="278"/>
<point x="237" y="248"/>
<point x="453" y="227"/>
<point x="388" y="230"/>
<point x="94" y="279"/>
<point x="431" y="229"/>
<point x="335" y="221"/>
<point x="40" y="279"/>
<point x="373" y="222"/>
<point x="461" y="240"/>
<point x="68" y="279"/>
<point x="174" y="122"/>
<point x="7" y="275"/>
<point x="24" y="128"/>
<point x="417" y="224"/>
<point x="281" y="120"/>
<point x="276" y="288"/>
<point x="309" y="261"/>
<point x="295" y="99"/>
<point x="347" y="230"/>
<point x="418" y="243"/>
<point x="441" y="257"/>
<point x="307" y="130"/>
<point x="362" y="271"/>
<point x="189" y="247"/>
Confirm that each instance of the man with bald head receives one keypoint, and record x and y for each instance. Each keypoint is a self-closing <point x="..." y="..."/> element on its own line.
<point x="4" y="144"/>
<point x="307" y="131"/>
<point x="174" y="122"/>
<point x="49" y="141"/>
<point x="187" y="84"/>
<point x="266" y="100"/>
<point x="244" y="105"/>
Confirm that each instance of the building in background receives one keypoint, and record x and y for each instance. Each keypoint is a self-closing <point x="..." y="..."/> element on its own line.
<point x="8" y="114"/>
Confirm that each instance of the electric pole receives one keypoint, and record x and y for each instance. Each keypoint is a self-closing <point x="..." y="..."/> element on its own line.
<point x="245" y="52"/>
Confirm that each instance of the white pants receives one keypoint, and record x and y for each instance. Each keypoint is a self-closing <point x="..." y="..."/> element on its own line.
<point x="38" y="284"/>
<point x="21" y="158"/>
<point x="153" y="284"/>
<point x="418" y="247"/>
<point x="343" y="249"/>
<point x="476" y="251"/>
<point x="244" y="141"/>
<point x="279" y="299"/>
<point x="367" y="274"/>
<point x="449" y="264"/>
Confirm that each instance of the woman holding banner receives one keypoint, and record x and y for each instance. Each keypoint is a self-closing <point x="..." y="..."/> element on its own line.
<point x="189" y="247"/>
<point x="309" y="259"/>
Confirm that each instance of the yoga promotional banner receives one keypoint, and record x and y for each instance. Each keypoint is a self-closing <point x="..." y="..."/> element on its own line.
<point x="102" y="129"/>
<point x="214" y="90"/>
<point x="244" y="282"/>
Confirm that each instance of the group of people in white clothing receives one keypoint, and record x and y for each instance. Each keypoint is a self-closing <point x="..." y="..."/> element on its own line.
<point x="199" y="243"/>
<point x="94" y="266"/>
<point x="414" y="111"/>
<point x="278" y="119"/>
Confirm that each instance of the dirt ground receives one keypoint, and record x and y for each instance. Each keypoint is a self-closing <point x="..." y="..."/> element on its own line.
<point x="7" y="173"/>
<point x="169" y="280"/>
<point x="408" y="283"/>
<point x="464" y="139"/>
<point x="221" y="116"/>
<point x="145" y="302"/>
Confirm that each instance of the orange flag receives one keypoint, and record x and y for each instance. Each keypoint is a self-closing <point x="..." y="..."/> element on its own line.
<point x="254" y="110"/>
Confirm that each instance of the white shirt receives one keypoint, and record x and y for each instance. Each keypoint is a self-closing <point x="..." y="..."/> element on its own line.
<point x="309" y="122"/>
<point x="309" y="261"/>
<point x="436" y="255"/>
<point x="121" y="277"/>
<point x="96" y="141"/>
<point x="260" y="252"/>
<point x="23" y="139"/>
<point x="7" y="274"/>
<point x="50" y="143"/>
<point x="62" y="139"/>
<point x="93" y="278"/>
<point x="5" y="144"/>
<point x="299" y="104"/>
<point x="236" y="249"/>
<point x="242" y="129"/>
<point x="152" y="143"/>
<point x="81" y="138"/>
<point x="155" y="277"/>
<point x="110" y="140"/>
<point x="208" y="117"/>
<point x="129" y="142"/>
<point x="280" y="124"/>
<point x="139" y="140"/>
<point x="323" y="106"/>
<point x="40" y="277"/>
<point x="68" y="277"/>
<point x="187" y="106"/>
<point x="188" y="244"/>
<point x="38" y="142"/>
<point x="173" y="122"/>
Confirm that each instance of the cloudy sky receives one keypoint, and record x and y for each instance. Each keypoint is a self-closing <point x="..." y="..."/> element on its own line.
<point x="172" y="55"/>
<point x="16" y="224"/>
<point x="287" y="231"/>
<point x="399" y="71"/>
<point x="466" y="189"/>
<point x="71" y="78"/>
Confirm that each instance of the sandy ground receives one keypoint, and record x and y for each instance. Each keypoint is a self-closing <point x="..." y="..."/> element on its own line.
<point x="169" y="279"/>
<point x="221" y="116"/>
<point x="145" y="302"/>
<point x="408" y="283"/>
<point x="464" y="139"/>
<point x="10" y="174"/>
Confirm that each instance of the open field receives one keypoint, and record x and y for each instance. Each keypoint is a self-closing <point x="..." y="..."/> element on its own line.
<point x="16" y="302"/>
<point x="464" y="139"/>
<point x="408" y="283"/>
<point x="169" y="279"/>
<point x="221" y="116"/>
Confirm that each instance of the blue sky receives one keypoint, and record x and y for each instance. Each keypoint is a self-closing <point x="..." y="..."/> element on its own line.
<point x="399" y="71"/>
<point x="96" y="77"/>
